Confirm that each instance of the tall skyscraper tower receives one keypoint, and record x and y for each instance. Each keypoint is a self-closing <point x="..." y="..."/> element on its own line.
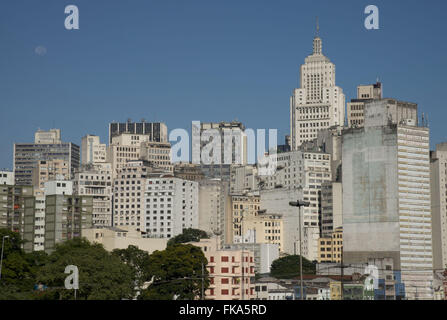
<point x="319" y="103"/>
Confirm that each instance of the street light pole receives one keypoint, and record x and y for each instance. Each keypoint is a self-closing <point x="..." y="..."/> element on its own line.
<point x="243" y="257"/>
<point x="1" y="258"/>
<point x="300" y="204"/>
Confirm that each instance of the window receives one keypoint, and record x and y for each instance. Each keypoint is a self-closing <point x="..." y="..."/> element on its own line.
<point x="224" y="270"/>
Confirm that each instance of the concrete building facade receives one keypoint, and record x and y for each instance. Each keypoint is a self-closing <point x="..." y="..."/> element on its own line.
<point x="386" y="196"/>
<point x="438" y="186"/>
<point x="170" y="206"/>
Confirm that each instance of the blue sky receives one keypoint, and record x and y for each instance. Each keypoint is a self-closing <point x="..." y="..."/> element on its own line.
<point x="179" y="61"/>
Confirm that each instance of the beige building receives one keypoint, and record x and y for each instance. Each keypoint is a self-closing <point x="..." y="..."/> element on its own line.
<point x="92" y="150"/>
<point x="121" y="238"/>
<point x="438" y="186"/>
<point x="249" y="224"/>
<point x="355" y="108"/>
<point x="123" y="148"/>
<point x="158" y="153"/>
<point x="241" y="205"/>
<point x="188" y="171"/>
<point x="264" y="228"/>
<point x="48" y="170"/>
<point x="230" y="271"/>
<point x="52" y="136"/>
<point x="330" y="249"/>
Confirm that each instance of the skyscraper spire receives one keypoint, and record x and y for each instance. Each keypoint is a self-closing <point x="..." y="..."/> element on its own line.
<point x="318" y="29"/>
<point x="317" y="41"/>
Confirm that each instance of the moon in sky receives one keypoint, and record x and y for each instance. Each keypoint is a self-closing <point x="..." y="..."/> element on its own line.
<point x="40" y="50"/>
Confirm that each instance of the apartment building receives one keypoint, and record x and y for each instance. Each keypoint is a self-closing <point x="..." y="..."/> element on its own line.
<point x="47" y="146"/>
<point x="170" y="206"/>
<point x="128" y="188"/>
<point x="123" y="148"/>
<point x="16" y="206"/>
<point x="66" y="216"/>
<point x="96" y="180"/>
<point x="230" y="271"/>
<point x="330" y="249"/>
<point x="158" y="153"/>
<point x="242" y="206"/>
<point x="93" y="151"/>
<point x="48" y="170"/>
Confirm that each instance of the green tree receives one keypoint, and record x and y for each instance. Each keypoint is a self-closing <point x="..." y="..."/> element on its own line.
<point x="178" y="273"/>
<point x="18" y="273"/>
<point x="289" y="267"/>
<point x="102" y="276"/>
<point x="138" y="260"/>
<point x="189" y="235"/>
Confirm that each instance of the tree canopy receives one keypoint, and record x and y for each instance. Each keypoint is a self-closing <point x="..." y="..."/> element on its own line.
<point x="173" y="273"/>
<point x="102" y="276"/>
<point x="178" y="273"/>
<point x="189" y="235"/>
<point x="289" y="267"/>
<point x="18" y="272"/>
<point x="138" y="260"/>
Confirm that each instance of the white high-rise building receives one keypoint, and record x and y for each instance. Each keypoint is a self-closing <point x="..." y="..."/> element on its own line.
<point x="170" y="205"/>
<point x="93" y="151"/>
<point x="318" y="104"/>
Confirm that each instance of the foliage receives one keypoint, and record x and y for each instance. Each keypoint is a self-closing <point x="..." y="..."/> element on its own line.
<point x="188" y="235"/>
<point x="18" y="273"/>
<point x="138" y="260"/>
<point x="178" y="273"/>
<point x="102" y="276"/>
<point x="289" y="267"/>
